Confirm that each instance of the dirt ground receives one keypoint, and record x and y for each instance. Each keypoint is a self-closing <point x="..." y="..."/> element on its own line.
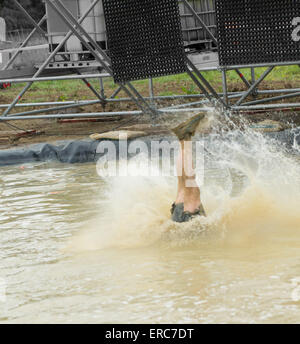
<point x="19" y="133"/>
<point x="54" y="130"/>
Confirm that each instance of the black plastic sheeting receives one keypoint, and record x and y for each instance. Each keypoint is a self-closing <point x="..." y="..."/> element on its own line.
<point x="65" y="152"/>
<point x="70" y="152"/>
<point x="290" y="138"/>
<point x="86" y="150"/>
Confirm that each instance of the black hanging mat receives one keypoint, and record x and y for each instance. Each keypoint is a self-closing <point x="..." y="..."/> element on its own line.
<point x="144" y="38"/>
<point x="257" y="31"/>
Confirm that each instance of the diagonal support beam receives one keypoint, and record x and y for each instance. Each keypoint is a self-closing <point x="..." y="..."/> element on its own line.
<point x="28" y="16"/>
<point x="56" y="108"/>
<point x="103" y="59"/>
<point x="205" y="82"/>
<point x="241" y="75"/>
<point x="201" y="87"/>
<point x="254" y="86"/>
<point x="91" y="87"/>
<point x="205" y="27"/>
<point x="272" y="99"/>
<point x="50" y="57"/>
<point x="24" y="44"/>
<point x="115" y="93"/>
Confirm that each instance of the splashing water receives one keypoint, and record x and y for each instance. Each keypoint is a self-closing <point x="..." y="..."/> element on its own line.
<point x="251" y="195"/>
<point x="127" y="262"/>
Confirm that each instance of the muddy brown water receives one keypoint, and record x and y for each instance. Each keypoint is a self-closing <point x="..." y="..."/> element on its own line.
<point x="76" y="248"/>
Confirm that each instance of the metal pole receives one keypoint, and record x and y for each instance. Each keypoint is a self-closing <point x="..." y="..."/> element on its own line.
<point x="99" y="50"/>
<point x="266" y="100"/>
<point x="99" y="114"/>
<point x="204" y="81"/>
<point x="28" y="16"/>
<point x="257" y="65"/>
<point x="225" y="89"/>
<point x="266" y="107"/>
<point x="32" y="112"/>
<point x="102" y="90"/>
<point x="198" y="83"/>
<point x="197" y="103"/>
<point x="190" y="96"/>
<point x="262" y="77"/>
<point x="185" y="2"/>
<point x="151" y="92"/>
<point x="241" y="75"/>
<point x="90" y="86"/>
<point x="73" y="115"/>
<point x="253" y="75"/>
<point x="255" y="91"/>
<point x="110" y="99"/>
<point x="115" y="93"/>
<point x="15" y="55"/>
<point x="56" y="78"/>
<point x="44" y="65"/>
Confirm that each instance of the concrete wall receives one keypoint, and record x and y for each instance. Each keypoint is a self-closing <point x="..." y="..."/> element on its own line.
<point x="3" y="56"/>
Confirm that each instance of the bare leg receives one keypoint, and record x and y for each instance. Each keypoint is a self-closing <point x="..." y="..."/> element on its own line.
<point x="192" y="200"/>
<point x="181" y="187"/>
<point x="188" y="202"/>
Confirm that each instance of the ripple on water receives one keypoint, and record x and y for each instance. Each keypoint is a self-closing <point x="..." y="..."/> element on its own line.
<point x="75" y="248"/>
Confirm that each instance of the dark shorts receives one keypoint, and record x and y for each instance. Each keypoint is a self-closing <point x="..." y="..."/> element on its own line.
<point x="179" y="215"/>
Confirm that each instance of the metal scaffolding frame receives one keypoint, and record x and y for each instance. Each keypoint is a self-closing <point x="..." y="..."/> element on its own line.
<point x="207" y="98"/>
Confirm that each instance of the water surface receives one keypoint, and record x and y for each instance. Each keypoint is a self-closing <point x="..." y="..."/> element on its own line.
<point x="78" y="248"/>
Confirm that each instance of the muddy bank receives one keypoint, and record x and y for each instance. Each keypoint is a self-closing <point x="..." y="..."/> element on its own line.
<point x="20" y="133"/>
<point x="87" y="150"/>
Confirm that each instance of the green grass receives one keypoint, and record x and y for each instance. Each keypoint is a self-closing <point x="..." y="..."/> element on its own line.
<point x="181" y="84"/>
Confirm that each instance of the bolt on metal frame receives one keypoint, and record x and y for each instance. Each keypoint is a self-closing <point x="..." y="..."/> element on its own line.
<point x="208" y="94"/>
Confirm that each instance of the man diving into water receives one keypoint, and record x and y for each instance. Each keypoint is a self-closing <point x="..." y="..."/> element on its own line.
<point x="188" y="203"/>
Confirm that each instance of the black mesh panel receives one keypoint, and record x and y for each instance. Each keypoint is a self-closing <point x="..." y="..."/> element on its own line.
<point x="257" y="31"/>
<point x="144" y="38"/>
